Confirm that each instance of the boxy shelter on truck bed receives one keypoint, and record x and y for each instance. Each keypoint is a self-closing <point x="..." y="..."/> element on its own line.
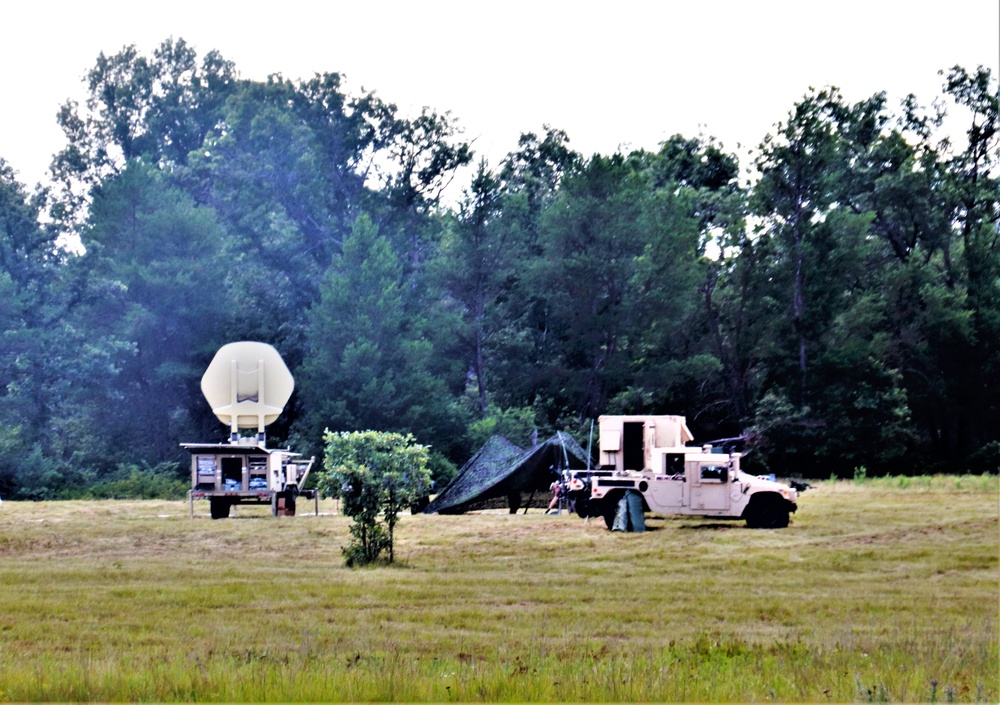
<point x="501" y="469"/>
<point x="632" y="442"/>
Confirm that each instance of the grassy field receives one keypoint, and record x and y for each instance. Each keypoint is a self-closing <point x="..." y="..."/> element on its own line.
<point x="885" y="590"/>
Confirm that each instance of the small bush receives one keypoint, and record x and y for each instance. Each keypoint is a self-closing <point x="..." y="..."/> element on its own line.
<point x="374" y="473"/>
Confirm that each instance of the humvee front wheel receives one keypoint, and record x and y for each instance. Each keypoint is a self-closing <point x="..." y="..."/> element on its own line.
<point x="767" y="512"/>
<point x="775" y="519"/>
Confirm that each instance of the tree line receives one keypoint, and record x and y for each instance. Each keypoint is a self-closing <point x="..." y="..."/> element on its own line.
<point x="836" y="303"/>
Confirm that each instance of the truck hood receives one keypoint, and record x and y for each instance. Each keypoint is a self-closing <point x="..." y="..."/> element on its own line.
<point x="764" y="485"/>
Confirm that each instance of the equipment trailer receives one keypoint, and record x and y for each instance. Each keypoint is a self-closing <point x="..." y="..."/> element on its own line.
<point x="647" y="455"/>
<point x="246" y="472"/>
<point x="247" y="385"/>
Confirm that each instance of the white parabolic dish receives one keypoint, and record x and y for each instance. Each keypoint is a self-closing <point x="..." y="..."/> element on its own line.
<point x="247" y="382"/>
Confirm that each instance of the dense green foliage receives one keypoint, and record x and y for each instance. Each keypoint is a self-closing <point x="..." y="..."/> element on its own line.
<point x="376" y="475"/>
<point x="840" y="306"/>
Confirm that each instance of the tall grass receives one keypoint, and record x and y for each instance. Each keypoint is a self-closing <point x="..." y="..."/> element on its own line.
<point x="876" y="592"/>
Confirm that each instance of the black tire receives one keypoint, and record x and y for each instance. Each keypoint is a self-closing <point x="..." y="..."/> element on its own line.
<point x="609" y="507"/>
<point x="219" y="507"/>
<point x="582" y="504"/>
<point x="775" y="518"/>
<point x="283" y="504"/>
<point x="768" y="513"/>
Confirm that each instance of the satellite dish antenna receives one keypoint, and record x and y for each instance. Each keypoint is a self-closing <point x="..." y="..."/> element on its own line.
<point x="247" y="385"/>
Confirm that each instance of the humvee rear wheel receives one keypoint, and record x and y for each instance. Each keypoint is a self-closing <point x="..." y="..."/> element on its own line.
<point x="609" y="507"/>
<point x="219" y="507"/>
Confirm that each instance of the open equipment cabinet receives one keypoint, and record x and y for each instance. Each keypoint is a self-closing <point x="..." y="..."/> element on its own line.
<point x="228" y="474"/>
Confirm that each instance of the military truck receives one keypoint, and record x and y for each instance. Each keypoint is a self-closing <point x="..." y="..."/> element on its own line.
<point x="648" y="455"/>
<point x="247" y="385"/>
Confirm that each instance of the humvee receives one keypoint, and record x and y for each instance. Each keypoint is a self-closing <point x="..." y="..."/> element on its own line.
<point x="648" y="455"/>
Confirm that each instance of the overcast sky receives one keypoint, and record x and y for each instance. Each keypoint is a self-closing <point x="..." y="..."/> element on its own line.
<point x="618" y="74"/>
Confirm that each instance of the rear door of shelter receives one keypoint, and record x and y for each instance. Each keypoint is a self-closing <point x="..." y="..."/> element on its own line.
<point x="633" y="449"/>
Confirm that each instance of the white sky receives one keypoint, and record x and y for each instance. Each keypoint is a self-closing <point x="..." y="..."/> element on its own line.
<point x="612" y="74"/>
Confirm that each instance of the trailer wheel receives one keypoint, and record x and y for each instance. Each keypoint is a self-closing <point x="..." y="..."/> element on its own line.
<point x="284" y="504"/>
<point x="219" y="507"/>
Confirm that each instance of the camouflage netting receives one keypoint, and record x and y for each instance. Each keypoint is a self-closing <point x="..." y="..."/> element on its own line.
<point x="501" y="470"/>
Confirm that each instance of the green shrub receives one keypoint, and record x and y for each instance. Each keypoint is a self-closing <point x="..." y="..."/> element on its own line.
<point x="133" y="482"/>
<point x="374" y="473"/>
